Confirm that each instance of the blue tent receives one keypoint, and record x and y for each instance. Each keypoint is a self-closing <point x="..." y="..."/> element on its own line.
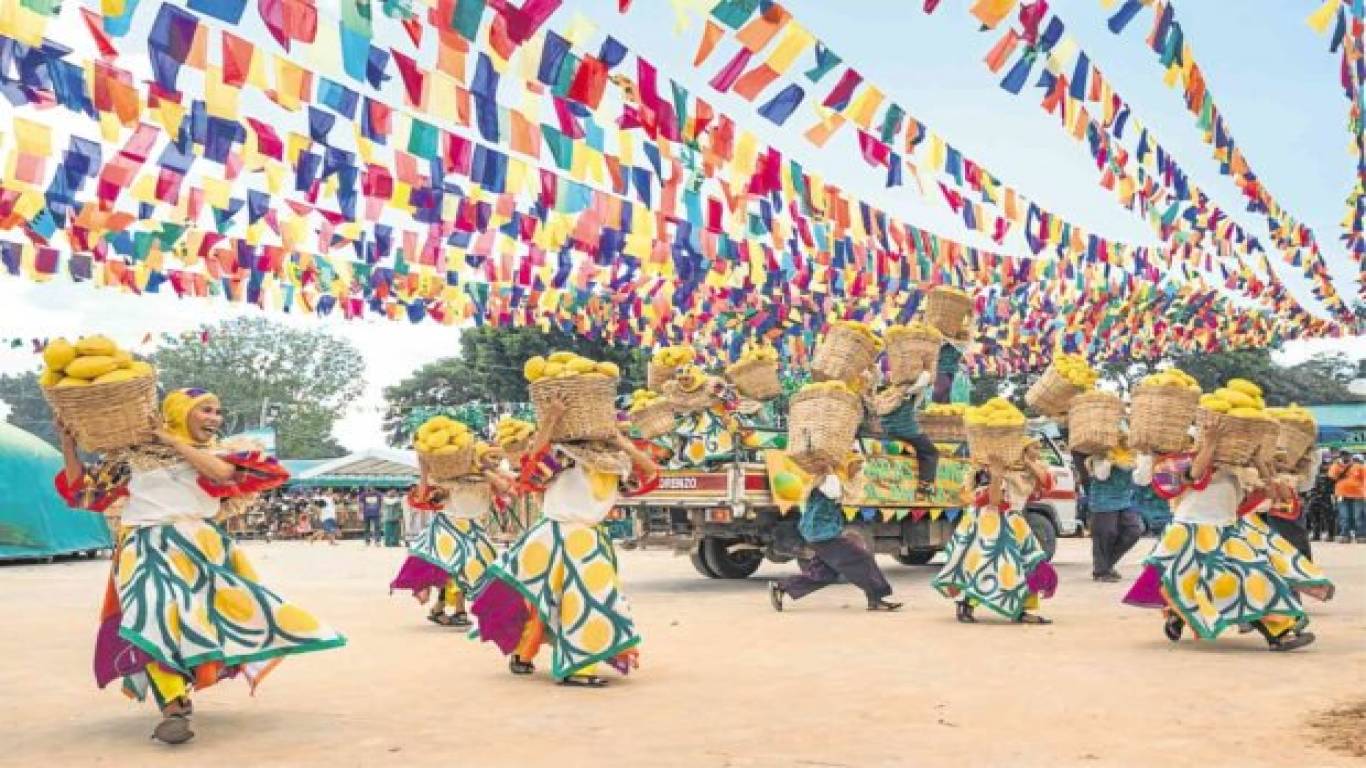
<point x="34" y="521"/>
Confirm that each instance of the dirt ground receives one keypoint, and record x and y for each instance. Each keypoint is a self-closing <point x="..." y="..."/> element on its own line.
<point x="725" y="681"/>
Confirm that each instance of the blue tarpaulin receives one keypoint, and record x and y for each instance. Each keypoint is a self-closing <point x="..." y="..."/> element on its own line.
<point x="34" y="521"/>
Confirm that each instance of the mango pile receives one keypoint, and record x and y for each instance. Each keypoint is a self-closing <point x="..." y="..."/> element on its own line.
<point x="830" y="386"/>
<point x="673" y="357"/>
<point x="915" y="328"/>
<point x="945" y="409"/>
<point x="1172" y="377"/>
<point x="759" y="353"/>
<point x="862" y="329"/>
<point x="690" y="377"/>
<point x="510" y="431"/>
<point x="1293" y="412"/>
<point x="561" y="365"/>
<point x="91" y="360"/>
<point x="1076" y="370"/>
<point x="644" y="398"/>
<point x="996" y="412"/>
<point x="1239" y="398"/>
<point x="442" y="435"/>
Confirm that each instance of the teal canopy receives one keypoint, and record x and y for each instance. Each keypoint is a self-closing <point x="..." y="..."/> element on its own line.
<point x="34" y="521"/>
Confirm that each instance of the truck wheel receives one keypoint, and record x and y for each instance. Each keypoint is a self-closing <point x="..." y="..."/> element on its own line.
<point x="728" y="564"/>
<point x="1044" y="531"/>
<point x="915" y="557"/>
<point x="700" y="563"/>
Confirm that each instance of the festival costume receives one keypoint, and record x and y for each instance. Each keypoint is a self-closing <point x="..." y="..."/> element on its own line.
<point x="835" y="554"/>
<point x="453" y="553"/>
<point x="558" y="583"/>
<point x="993" y="557"/>
<point x="183" y="607"/>
<point x="1216" y="570"/>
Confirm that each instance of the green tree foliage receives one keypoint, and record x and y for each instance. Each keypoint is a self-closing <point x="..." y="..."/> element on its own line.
<point x="248" y="362"/>
<point x="486" y="380"/>
<point x="27" y="408"/>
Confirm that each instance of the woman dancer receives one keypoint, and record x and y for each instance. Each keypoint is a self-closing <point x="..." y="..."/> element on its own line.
<point x="993" y="557"/>
<point x="1211" y="571"/>
<point x="184" y="608"/>
<point x="452" y="555"/>
<point x="558" y="583"/>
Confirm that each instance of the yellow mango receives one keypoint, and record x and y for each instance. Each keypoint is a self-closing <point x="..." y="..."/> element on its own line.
<point x="72" y="382"/>
<point x="560" y="357"/>
<point x="96" y="345"/>
<point x="91" y="367"/>
<point x="118" y="374"/>
<point x="58" y="354"/>
<point x="140" y="368"/>
<point x="49" y="378"/>
<point x="534" y="368"/>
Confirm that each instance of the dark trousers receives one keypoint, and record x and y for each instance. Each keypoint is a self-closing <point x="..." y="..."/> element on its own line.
<point x="943" y="387"/>
<point x="371" y="529"/>
<point x="840" y="556"/>
<point x="1293" y="531"/>
<point x="1322" y="518"/>
<point x="1112" y="535"/>
<point x="391" y="533"/>
<point x="926" y="457"/>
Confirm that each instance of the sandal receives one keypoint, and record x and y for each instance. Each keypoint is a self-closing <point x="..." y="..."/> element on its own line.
<point x="964" y="612"/>
<point x="1172" y="626"/>
<point x="444" y="619"/>
<point x="1291" y="640"/>
<point x="775" y="596"/>
<point x="884" y="605"/>
<point x="584" y="681"/>
<point x="518" y="667"/>
<point x="173" y="729"/>
<point x="1032" y="618"/>
<point x="461" y="619"/>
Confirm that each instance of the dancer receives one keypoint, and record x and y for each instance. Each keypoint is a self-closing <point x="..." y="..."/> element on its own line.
<point x="896" y="407"/>
<point x="184" y="608"/>
<point x="947" y="366"/>
<point x="836" y="552"/>
<point x="993" y="557"/>
<point x="1210" y="571"/>
<point x="1115" y="524"/>
<point x="1154" y="509"/>
<point x="451" y="557"/>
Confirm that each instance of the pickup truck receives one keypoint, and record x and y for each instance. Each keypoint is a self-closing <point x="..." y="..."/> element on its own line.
<point x="726" y="519"/>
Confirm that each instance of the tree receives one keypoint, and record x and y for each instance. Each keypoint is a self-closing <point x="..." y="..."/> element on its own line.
<point x="27" y="408"/>
<point x="250" y="362"/>
<point x="486" y="379"/>
<point x="1318" y="381"/>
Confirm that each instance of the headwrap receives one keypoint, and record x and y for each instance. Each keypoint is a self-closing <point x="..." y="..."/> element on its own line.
<point x="176" y="408"/>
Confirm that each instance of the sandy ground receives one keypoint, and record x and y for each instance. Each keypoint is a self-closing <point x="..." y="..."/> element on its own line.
<point x="725" y="680"/>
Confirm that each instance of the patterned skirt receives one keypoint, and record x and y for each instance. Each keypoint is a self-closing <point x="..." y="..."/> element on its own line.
<point x="185" y="596"/>
<point x="994" y="560"/>
<point x="447" y="549"/>
<point x="1218" y="576"/>
<point x="567" y="575"/>
<point x="700" y="438"/>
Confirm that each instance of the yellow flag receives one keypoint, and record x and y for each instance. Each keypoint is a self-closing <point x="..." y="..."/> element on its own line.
<point x="1320" y="19"/>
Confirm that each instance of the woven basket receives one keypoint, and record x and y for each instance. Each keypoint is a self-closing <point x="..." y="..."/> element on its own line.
<point x="756" y="379"/>
<point x="821" y="427"/>
<point x="947" y="310"/>
<point x="1004" y="444"/>
<point x="104" y="417"/>
<point x="1093" y="422"/>
<point x="1052" y="393"/>
<point x="909" y="353"/>
<point x="1160" y="417"/>
<point x="843" y="355"/>
<point x="1294" y="439"/>
<point x="654" y="420"/>
<point x="1241" y="438"/>
<point x="1270" y="438"/>
<point x="590" y="412"/>
<point x="943" y="428"/>
<point x="699" y="399"/>
<point x="447" y="466"/>
<point x="656" y="375"/>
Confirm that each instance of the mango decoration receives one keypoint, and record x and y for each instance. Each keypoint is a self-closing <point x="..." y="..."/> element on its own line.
<point x="1172" y="377"/>
<point x="564" y="364"/>
<point x="1245" y="386"/>
<point x="761" y="354"/>
<point x="510" y="431"/>
<point x="787" y="487"/>
<point x="95" y="346"/>
<point x="1240" y="399"/>
<point x="1293" y="413"/>
<point x="91" y="360"/>
<point x="1076" y="370"/>
<point x="690" y="377"/>
<point x="996" y="412"/>
<point x="672" y="357"/>
<point x="644" y="398"/>
<point x="58" y="354"/>
<point x="443" y="435"/>
<point x="945" y="409"/>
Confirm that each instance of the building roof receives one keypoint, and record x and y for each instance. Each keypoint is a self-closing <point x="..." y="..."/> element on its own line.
<point x="1340" y="414"/>
<point x="371" y="467"/>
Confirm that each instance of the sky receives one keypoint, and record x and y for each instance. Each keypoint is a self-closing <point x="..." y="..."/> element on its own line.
<point x="1271" y="75"/>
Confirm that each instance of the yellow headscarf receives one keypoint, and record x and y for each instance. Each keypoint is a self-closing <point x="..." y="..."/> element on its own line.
<point x="176" y="408"/>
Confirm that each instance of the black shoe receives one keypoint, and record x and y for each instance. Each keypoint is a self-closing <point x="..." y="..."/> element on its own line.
<point x="883" y="605"/>
<point x="518" y="667"/>
<point x="963" y="612"/>
<point x="1173" y="626"/>
<point x="1290" y="640"/>
<point x="775" y="596"/>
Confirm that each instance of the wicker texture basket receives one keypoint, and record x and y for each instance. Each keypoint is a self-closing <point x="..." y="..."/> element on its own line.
<point x="654" y="420"/>
<point x="947" y="310"/>
<point x="590" y="412"/>
<point x="991" y="444"/>
<point x="1160" y="417"/>
<point x="105" y="417"/>
<point x="1052" y="393"/>
<point x="1241" y="438"/>
<point x="683" y="401"/>
<point x="656" y="375"/>
<point x="822" y="426"/>
<point x="1294" y="439"/>
<point x="909" y="353"/>
<point x="1093" y="422"/>
<point x="1270" y="438"/>
<point x="756" y="379"/>
<point x="943" y="428"/>
<point x="447" y="466"/>
<point x="843" y="355"/>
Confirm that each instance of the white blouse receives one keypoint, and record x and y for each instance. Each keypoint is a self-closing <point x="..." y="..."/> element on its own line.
<point x="468" y="501"/>
<point x="571" y="497"/>
<point x="1217" y="503"/>
<point x="166" y="495"/>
